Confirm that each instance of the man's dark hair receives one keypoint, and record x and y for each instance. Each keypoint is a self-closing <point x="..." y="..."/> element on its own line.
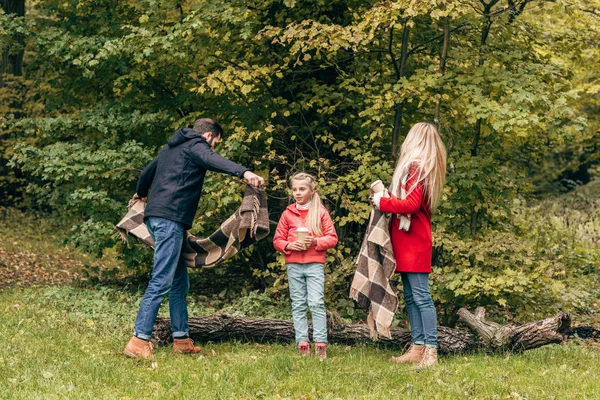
<point x="208" y="125"/>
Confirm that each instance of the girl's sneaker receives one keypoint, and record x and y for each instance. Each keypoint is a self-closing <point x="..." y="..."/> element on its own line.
<point x="304" y="348"/>
<point x="321" y="350"/>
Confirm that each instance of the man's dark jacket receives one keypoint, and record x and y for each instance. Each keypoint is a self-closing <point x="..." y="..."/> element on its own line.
<point x="176" y="176"/>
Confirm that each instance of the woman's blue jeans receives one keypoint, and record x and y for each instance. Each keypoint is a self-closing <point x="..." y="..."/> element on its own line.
<point x="420" y="308"/>
<point x="169" y="276"/>
<point x="307" y="287"/>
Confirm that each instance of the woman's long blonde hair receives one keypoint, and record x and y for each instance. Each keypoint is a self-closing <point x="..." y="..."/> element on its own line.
<point x="313" y="218"/>
<point x="423" y="146"/>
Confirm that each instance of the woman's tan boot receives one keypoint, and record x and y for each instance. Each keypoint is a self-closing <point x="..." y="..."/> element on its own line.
<point x="413" y="355"/>
<point x="429" y="358"/>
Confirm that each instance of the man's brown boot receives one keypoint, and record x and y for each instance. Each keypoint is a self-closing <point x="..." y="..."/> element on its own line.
<point x="429" y="358"/>
<point x="413" y="355"/>
<point x="185" y="346"/>
<point x="138" y="348"/>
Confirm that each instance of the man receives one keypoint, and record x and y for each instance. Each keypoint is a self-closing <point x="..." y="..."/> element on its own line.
<point x="176" y="176"/>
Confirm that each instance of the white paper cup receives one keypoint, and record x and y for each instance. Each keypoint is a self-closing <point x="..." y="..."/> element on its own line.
<point x="377" y="186"/>
<point x="301" y="235"/>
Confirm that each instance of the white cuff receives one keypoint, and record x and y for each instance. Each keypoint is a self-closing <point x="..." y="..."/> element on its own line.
<point x="377" y="198"/>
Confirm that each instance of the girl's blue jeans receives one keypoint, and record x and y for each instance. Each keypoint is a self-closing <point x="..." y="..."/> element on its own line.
<point x="307" y="287"/>
<point x="169" y="276"/>
<point x="420" y="308"/>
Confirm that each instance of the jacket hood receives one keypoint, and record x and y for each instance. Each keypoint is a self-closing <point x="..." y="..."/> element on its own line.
<point x="183" y="135"/>
<point x="292" y="208"/>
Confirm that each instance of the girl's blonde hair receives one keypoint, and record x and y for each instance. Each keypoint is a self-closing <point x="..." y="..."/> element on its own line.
<point x="314" y="212"/>
<point x="423" y="146"/>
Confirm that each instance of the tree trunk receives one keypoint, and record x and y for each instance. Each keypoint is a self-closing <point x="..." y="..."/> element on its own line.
<point x="13" y="63"/>
<point x="399" y="75"/>
<point x="495" y="337"/>
<point x="485" y="31"/>
<point x="442" y="71"/>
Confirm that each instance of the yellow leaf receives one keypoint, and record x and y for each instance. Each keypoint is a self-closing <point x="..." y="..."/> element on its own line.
<point x="246" y="89"/>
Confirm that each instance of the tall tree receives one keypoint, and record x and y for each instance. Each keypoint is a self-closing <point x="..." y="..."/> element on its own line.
<point x="12" y="56"/>
<point x="332" y="89"/>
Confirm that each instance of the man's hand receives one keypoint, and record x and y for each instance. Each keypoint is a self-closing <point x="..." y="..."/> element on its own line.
<point x="136" y="197"/>
<point x="296" y="246"/>
<point x="253" y="179"/>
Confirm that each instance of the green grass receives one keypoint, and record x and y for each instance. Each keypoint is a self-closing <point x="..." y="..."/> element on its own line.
<point x="67" y="343"/>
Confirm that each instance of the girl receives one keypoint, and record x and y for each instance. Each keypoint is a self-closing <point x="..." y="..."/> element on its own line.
<point x="415" y="193"/>
<point x="305" y="259"/>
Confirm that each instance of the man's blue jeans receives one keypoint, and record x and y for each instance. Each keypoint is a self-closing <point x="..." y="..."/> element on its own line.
<point x="307" y="286"/>
<point x="420" y="308"/>
<point x="169" y="276"/>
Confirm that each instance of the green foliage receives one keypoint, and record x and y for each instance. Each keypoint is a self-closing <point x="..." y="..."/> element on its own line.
<point x="324" y="89"/>
<point x="545" y="260"/>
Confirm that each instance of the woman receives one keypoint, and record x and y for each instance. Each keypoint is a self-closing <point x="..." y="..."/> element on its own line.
<point x="414" y="194"/>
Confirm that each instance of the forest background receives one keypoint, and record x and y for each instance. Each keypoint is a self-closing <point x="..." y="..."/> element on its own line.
<point x="92" y="89"/>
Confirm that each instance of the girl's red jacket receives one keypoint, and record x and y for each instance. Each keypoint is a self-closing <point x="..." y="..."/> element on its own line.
<point x="290" y="220"/>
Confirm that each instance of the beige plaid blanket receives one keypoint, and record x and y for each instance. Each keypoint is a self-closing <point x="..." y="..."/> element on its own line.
<point x="249" y="224"/>
<point x="375" y="266"/>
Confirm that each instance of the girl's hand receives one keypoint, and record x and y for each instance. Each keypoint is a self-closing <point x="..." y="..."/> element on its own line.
<point x="310" y="240"/>
<point x="296" y="246"/>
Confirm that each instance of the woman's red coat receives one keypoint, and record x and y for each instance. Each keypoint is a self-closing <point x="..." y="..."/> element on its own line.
<point x="412" y="249"/>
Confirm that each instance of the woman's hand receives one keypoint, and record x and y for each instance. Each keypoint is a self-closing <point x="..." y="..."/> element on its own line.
<point x="310" y="240"/>
<point x="376" y="199"/>
<point x="295" y="246"/>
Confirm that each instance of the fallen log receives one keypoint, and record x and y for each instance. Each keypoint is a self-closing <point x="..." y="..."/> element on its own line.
<point x="516" y="338"/>
<point x="222" y="327"/>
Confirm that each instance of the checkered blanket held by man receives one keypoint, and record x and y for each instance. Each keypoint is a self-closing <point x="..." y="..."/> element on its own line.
<point x="249" y="224"/>
<point x="375" y="266"/>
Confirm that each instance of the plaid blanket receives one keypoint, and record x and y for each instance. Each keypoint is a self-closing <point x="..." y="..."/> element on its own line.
<point x="249" y="224"/>
<point x="375" y="267"/>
